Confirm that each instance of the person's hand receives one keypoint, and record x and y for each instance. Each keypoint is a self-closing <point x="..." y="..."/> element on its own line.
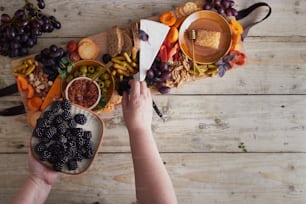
<point x="39" y="172"/>
<point x="137" y="106"/>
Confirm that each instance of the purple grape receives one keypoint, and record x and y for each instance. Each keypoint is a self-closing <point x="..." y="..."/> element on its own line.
<point x="164" y="90"/>
<point x="41" y="4"/>
<point x="150" y="74"/>
<point x="217" y="3"/>
<point x="231" y="3"/>
<point x="164" y="67"/>
<point x="228" y="12"/>
<point x="5" y="18"/>
<point x="221" y="11"/>
<point x="19" y="13"/>
<point x="234" y="12"/>
<point x="225" y="4"/>
<point x="165" y="76"/>
<point x="143" y="35"/>
<point x="207" y="7"/>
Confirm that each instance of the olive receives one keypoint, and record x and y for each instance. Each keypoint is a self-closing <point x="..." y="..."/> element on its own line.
<point x="83" y="69"/>
<point x="107" y="83"/>
<point x="101" y="84"/>
<point x="105" y="76"/>
<point x="91" y="69"/>
<point x="104" y="90"/>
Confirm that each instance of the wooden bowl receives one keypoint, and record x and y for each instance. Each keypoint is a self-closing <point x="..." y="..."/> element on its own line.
<point x="211" y="21"/>
<point x="95" y="63"/>
<point x="94" y="124"/>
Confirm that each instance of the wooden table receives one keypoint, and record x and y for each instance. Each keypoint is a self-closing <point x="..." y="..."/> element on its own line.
<point x="261" y="105"/>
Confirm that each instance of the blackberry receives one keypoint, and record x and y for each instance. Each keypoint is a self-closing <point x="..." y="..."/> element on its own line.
<point x="66" y="104"/>
<point x="50" y="132"/>
<point x="80" y="118"/>
<point x="54" y="148"/>
<point x="80" y="141"/>
<point x="78" y="132"/>
<point x="71" y="144"/>
<point x="45" y="155"/>
<point x="88" y="145"/>
<point x="56" y="106"/>
<point x="66" y="115"/>
<point x="40" y="147"/>
<point x="72" y="123"/>
<point x="38" y="132"/>
<point x="57" y="166"/>
<point x="58" y="120"/>
<point x="45" y="140"/>
<point x="71" y="152"/>
<point x="42" y="123"/>
<point x="79" y="156"/>
<point x="68" y="134"/>
<point x="63" y="159"/>
<point x="49" y="115"/>
<point x="62" y="139"/>
<point x="61" y="128"/>
<point x="87" y="135"/>
<point x="72" y="165"/>
<point x="52" y="159"/>
<point x="88" y="154"/>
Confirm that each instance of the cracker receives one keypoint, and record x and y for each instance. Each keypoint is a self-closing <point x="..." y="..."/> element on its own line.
<point x="88" y="49"/>
<point x="189" y="8"/>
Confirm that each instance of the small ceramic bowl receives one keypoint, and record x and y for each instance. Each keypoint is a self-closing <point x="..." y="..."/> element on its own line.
<point x="83" y="91"/>
<point x="108" y="94"/>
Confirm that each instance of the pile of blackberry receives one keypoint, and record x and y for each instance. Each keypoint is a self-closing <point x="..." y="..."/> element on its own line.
<point x="61" y="142"/>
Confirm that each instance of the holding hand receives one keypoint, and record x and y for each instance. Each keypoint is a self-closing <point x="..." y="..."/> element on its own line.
<point x="137" y="106"/>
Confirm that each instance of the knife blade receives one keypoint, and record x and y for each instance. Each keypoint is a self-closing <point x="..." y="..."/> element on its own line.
<point x="16" y="110"/>
<point x="11" y="89"/>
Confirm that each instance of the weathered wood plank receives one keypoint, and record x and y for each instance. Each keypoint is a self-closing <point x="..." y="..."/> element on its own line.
<point x="200" y="124"/>
<point x="213" y="178"/>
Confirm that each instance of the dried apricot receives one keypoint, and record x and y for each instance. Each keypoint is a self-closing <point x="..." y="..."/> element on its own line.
<point x="167" y="18"/>
<point x="173" y="35"/>
<point x="34" y="103"/>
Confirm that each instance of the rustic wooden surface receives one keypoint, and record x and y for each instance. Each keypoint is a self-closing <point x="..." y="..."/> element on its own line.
<point x="262" y="105"/>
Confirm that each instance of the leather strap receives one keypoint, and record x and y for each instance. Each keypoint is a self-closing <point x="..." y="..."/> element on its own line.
<point x="16" y="110"/>
<point x="9" y="90"/>
<point x="245" y="12"/>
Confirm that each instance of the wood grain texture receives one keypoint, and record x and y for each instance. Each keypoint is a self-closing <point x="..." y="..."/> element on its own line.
<point x="213" y="178"/>
<point x="265" y="123"/>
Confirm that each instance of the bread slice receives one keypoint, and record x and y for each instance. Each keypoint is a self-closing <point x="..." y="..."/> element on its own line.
<point x="128" y="44"/>
<point x="115" y="41"/>
<point x="210" y="39"/>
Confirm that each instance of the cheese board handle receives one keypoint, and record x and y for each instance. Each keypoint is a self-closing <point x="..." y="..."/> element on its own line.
<point x="245" y="12"/>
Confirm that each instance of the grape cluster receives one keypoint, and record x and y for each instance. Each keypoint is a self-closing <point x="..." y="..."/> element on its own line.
<point x="157" y="76"/>
<point x="223" y="7"/>
<point x="19" y="33"/>
<point x="59" y="143"/>
<point x="51" y="58"/>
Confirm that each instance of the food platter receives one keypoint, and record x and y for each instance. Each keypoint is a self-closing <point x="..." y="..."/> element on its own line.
<point x="207" y="20"/>
<point x="94" y="124"/>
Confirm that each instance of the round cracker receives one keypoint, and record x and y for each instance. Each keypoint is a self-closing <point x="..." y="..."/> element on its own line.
<point x="88" y="50"/>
